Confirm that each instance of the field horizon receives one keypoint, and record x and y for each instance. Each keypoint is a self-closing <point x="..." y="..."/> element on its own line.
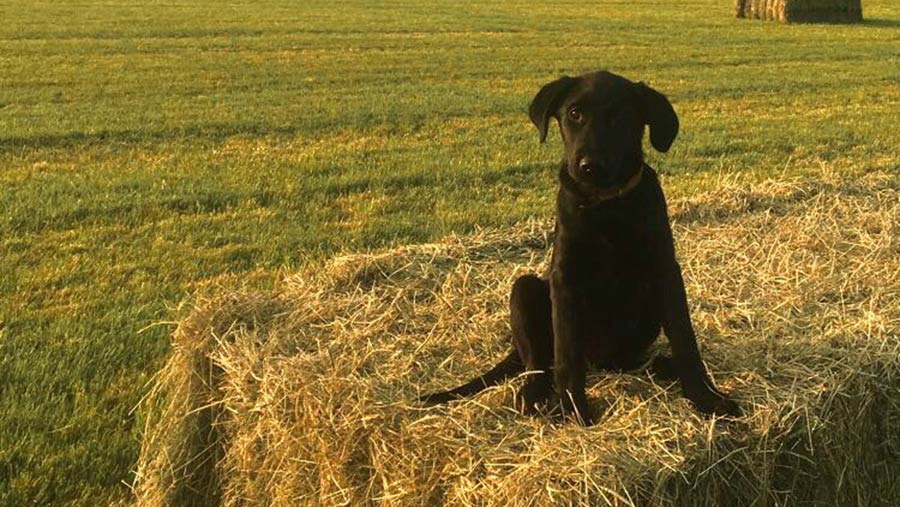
<point x="151" y="154"/>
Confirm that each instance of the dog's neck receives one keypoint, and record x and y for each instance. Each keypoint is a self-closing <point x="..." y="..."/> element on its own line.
<point x="589" y="197"/>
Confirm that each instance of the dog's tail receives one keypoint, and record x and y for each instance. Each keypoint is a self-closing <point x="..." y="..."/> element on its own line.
<point x="511" y="365"/>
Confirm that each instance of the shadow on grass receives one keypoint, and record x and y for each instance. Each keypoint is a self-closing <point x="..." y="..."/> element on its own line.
<point x="211" y="132"/>
<point x="882" y="23"/>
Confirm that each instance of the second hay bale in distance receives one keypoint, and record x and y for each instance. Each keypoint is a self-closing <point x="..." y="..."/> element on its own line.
<point x="801" y="11"/>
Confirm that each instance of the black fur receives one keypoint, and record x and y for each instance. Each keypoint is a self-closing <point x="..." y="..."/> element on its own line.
<point x="614" y="282"/>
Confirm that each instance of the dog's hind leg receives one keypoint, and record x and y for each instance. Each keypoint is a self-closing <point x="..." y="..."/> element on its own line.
<point x="532" y="337"/>
<point x="663" y="368"/>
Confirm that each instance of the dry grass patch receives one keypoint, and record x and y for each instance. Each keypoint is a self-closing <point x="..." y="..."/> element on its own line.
<point x="302" y="397"/>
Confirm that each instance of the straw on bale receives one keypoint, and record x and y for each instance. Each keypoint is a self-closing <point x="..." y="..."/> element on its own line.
<point x="800" y="11"/>
<point x="303" y="396"/>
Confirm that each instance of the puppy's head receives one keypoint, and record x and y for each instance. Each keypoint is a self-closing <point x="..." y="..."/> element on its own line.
<point x="601" y="118"/>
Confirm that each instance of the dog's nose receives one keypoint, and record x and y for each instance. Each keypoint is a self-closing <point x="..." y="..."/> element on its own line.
<point x="586" y="164"/>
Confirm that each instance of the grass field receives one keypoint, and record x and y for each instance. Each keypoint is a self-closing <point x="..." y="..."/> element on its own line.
<point x="150" y="151"/>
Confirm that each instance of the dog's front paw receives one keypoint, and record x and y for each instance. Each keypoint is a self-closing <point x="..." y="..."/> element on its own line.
<point x="711" y="402"/>
<point x="533" y="396"/>
<point x="575" y="406"/>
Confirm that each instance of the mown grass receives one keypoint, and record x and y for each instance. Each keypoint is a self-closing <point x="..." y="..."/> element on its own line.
<point x="150" y="150"/>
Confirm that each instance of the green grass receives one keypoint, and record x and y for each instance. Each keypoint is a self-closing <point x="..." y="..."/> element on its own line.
<point x="148" y="152"/>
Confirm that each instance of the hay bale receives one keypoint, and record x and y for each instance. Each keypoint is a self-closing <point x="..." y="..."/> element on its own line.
<point x="801" y="11"/>
<point x="302" y="397"/>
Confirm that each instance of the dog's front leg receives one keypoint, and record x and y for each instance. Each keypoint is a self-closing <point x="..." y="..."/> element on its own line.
<point x="695" y="381"/>
<point x="569" y="346"/>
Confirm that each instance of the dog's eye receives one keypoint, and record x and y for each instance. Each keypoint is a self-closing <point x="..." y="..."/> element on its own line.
<point x="575" y="115"/>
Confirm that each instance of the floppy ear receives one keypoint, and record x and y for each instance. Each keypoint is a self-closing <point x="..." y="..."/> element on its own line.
<point x="659" y="115"/>
<point x="544" y="104"/>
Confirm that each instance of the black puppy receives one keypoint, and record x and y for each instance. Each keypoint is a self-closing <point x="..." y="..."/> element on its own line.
<point x="613" y="282"/>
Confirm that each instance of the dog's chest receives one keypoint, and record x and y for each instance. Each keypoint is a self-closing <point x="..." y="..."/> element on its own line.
<point x="607" y="251"/>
